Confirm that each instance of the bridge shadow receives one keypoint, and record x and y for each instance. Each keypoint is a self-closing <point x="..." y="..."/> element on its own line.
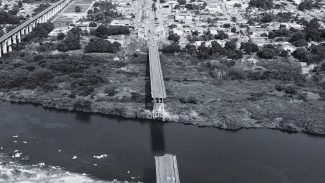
<point x="157" y="137"/>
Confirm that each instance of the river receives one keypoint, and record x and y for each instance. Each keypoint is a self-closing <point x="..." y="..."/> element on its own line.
<point x="106" y="148"/>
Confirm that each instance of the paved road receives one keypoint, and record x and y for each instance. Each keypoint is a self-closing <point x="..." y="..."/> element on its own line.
<point x="156" y="77"/>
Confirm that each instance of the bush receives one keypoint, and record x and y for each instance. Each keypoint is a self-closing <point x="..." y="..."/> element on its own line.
<point x="190" y="100"/>
<point x="92" y="24"/>
<point x="60" y="36"/>
<point x="77" y="9"/>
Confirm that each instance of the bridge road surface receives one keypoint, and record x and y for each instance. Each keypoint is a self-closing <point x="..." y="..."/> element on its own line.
<point x="156" y="77"/>
<point x="166" y="169"/>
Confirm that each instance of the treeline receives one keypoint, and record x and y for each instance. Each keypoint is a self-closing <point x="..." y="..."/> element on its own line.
<point x="300" y="38"/>
<point x="309" y="4"/>
<point x="102" y="31"/>
<point x="10" y="17"/>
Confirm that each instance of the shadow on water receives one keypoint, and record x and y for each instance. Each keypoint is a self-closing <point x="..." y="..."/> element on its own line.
<point x="83" y="117"/>
<point x="157" y="137"/>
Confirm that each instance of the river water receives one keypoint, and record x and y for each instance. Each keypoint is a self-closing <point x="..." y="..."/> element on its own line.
<point x="106" y="148"/>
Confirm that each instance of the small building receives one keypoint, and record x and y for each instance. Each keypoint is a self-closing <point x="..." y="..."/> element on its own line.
<point x="121" y="22"/>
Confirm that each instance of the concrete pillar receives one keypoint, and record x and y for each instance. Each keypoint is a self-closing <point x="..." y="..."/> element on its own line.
<point x="30" y="28"/>
<point x="26" y="30"/>
<point x="18" y="37"/>
<point x="9" y="44"/>
<point x="14" y="39"/>
<point x="0" y="50"/>
<point x="4" y="47"/>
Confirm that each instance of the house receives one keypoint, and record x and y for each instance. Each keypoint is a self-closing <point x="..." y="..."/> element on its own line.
<point x="214" y="7"/>
<point x="185" y="17"/>
<point x="122" y="22"/>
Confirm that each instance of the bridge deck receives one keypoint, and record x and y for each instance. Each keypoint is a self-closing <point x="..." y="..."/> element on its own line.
<point x="156" y="77"/>
<point x="167" y="169"/>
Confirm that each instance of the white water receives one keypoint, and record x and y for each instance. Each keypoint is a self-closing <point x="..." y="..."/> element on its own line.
<point x="11" y="172"/>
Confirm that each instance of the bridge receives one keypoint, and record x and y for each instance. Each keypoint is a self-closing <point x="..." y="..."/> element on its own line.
<point x="15" y="36"/>
<point x="158" y="92"/>
<point x="166" y="169"/>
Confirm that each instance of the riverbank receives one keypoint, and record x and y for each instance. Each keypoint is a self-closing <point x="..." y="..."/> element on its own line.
<point x="113" y="85"/>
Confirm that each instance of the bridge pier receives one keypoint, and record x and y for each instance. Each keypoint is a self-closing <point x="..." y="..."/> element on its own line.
<point x="14" y="36"/>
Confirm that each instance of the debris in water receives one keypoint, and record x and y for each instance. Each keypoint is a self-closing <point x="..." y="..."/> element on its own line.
<point x="129" y="172"/>
<point x="15" y="141"/>
<point x="74" y="157"/>
<point x="101" y="156"/>
<point x="41" y="164"/>
<point x="95" y="164"/>
<point x="16" y="151"/>
<point x="1" y="148"/>
<point x="17" y="155"/>
<point x="59" y="150"/>
<point x="15" y="136"/>
<point x="24" y="142"/>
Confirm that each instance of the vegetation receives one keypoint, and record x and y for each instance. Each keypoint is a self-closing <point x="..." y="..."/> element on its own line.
<point x="100" y="45"/>
<point x="263" y="4"/>
<point x="77" y="9"/>
<point x="102" y="31"/>
<point x="71" y="41"/>
<point x="103" y="11"/>
<point x="7" y="18"/>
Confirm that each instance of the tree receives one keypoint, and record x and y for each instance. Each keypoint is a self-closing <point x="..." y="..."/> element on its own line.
<point x="306" y="5"/>
<point x="60" y="36"/>
<point x="102" y="31"/>
<point x="190" y="49"/>
<point x="171" y="48"/>
<point x="100" y="45"/>
<point x="216" y="49"/>
<point x="235" y="54"/>
<point x="173" y="37"/>
<point x="267" y="18"/>
<point x="266" y="53"/>
<point x="71" y="41"/>
<point x="231" y="45"/>
<point x="77" y="9"/>
<point x="263" y="4"/>
<point x="181" y="2"/>
<point x="221" y="35"/>
<point x="203" y="52"/>
<point x="312" y="31"/>
<point x="249" y="47"/>
<point x="92" y="24"/>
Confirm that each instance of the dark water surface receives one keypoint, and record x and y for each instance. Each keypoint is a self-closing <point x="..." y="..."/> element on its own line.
<point x="205" y="155"/>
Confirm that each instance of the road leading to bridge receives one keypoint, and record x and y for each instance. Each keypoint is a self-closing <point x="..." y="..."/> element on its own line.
<point x="158" y="91"/>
